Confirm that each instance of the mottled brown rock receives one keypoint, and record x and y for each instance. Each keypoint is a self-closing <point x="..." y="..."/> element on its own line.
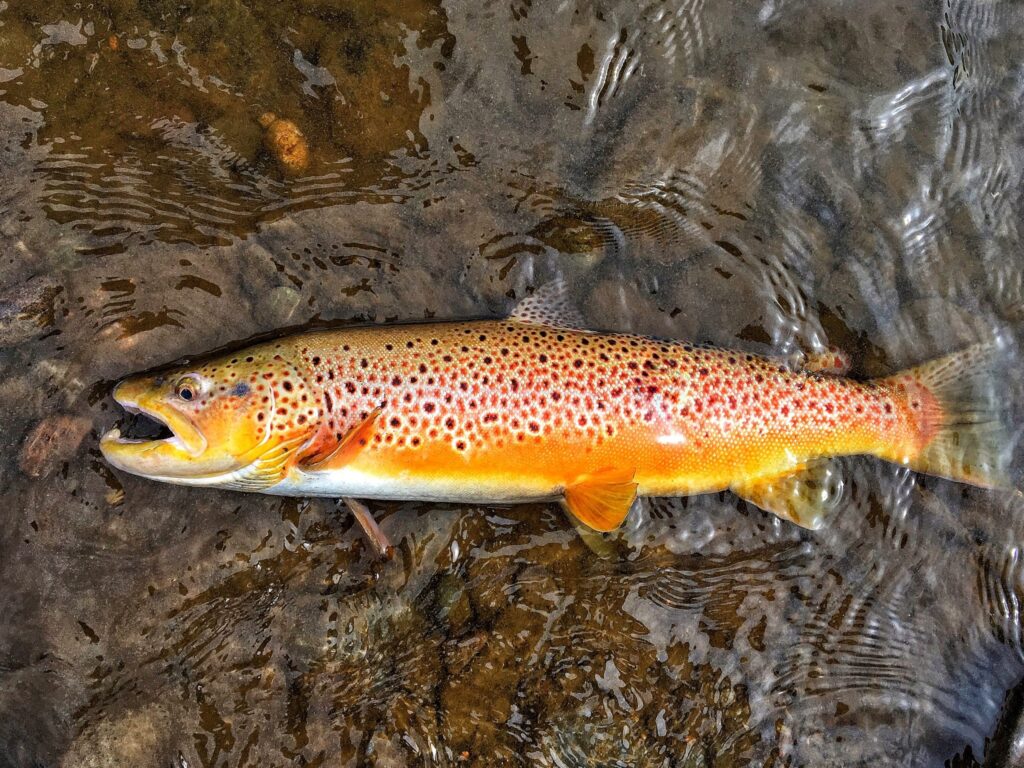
<point x="53" y="440"/>
<point x="135" y="737"/>
<point x="27" y="310"/>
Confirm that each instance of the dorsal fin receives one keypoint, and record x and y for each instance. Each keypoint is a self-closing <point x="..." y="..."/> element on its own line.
<point x="550" y="305"/>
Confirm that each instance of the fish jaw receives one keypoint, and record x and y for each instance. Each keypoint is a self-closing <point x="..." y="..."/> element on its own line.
<point x="172" y="459"/>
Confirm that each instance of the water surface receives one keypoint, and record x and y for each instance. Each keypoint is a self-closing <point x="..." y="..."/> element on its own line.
<point x="770" y="176"/>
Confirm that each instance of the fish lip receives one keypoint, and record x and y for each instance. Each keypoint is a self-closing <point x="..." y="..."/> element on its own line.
<point x="184" y="436"/>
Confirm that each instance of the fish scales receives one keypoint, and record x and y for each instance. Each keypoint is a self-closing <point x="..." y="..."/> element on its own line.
<point x="549" y="404"/>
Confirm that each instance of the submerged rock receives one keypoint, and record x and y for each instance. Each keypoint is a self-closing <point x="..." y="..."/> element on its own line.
<point x="281" y="304"/>
<point x="27" y="310"/>
<point x="53" y="440"/>
<point x="143" y="736"/>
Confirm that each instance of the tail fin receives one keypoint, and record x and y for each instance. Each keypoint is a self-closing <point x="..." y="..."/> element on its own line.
<point x="963" y="432"/>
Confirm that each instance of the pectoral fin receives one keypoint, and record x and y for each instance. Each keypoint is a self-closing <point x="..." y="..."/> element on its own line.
<point x="804" y="496"/>
<point x="332" y="454"/>
<point x="601" y="500"/>
<point x="263" y="469"/>
<point x="373" y="532"/>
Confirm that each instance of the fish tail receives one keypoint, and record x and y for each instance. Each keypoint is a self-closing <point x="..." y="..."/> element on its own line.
<point x="954" y="407"/>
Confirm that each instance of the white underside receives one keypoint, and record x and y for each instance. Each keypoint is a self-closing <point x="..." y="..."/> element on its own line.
<point x="364" y="485"/>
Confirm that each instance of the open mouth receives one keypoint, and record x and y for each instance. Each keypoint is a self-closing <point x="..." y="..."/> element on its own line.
<point x="146" y="428"/>
<point x="151" y="430"/>
<point x="139" y="427"/>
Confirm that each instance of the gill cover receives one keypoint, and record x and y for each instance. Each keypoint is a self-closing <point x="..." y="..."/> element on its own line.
<point x="235" y="422"/>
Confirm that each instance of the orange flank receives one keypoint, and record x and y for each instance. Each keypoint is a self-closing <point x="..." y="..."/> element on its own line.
<point x="543" y="407"/>
<point x="536" y="407"/>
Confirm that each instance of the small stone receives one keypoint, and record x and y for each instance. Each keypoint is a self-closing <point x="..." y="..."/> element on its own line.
<point x="286" y="143"/>
<point x="133" y="737"/>
<point x="452" y="603"/>
<point x="27" y="310"/>
<point x="584" y="239"/>
<point x="53" y="440"/>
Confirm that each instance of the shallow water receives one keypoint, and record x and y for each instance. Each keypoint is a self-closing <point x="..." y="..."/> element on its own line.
<point x="769" y="176"/>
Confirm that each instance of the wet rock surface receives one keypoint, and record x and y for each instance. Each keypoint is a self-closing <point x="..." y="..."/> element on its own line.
<point x="27" y="310"/>
<point x="773" y="177"/>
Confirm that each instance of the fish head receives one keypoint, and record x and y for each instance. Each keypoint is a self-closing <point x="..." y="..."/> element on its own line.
<point x="233" y="422"/>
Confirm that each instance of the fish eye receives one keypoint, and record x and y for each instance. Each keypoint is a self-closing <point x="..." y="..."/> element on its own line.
<point x="187" y="389"/>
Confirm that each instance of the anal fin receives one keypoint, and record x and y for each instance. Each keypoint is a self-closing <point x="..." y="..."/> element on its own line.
<point x="601" y="500"/>
<point x="598" y="543"/>
<point x="804" y="496"/>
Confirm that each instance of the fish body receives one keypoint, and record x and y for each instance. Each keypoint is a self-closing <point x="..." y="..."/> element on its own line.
<point x="503" y="411"/>
<point x="534" y="407"/>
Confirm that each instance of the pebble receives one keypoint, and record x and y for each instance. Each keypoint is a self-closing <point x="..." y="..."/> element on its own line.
<point x="286" y="143"/>
<point x="57" y="373"/>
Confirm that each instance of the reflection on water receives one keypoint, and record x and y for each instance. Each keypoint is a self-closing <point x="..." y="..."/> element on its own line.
<point x="772" y="176"/>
